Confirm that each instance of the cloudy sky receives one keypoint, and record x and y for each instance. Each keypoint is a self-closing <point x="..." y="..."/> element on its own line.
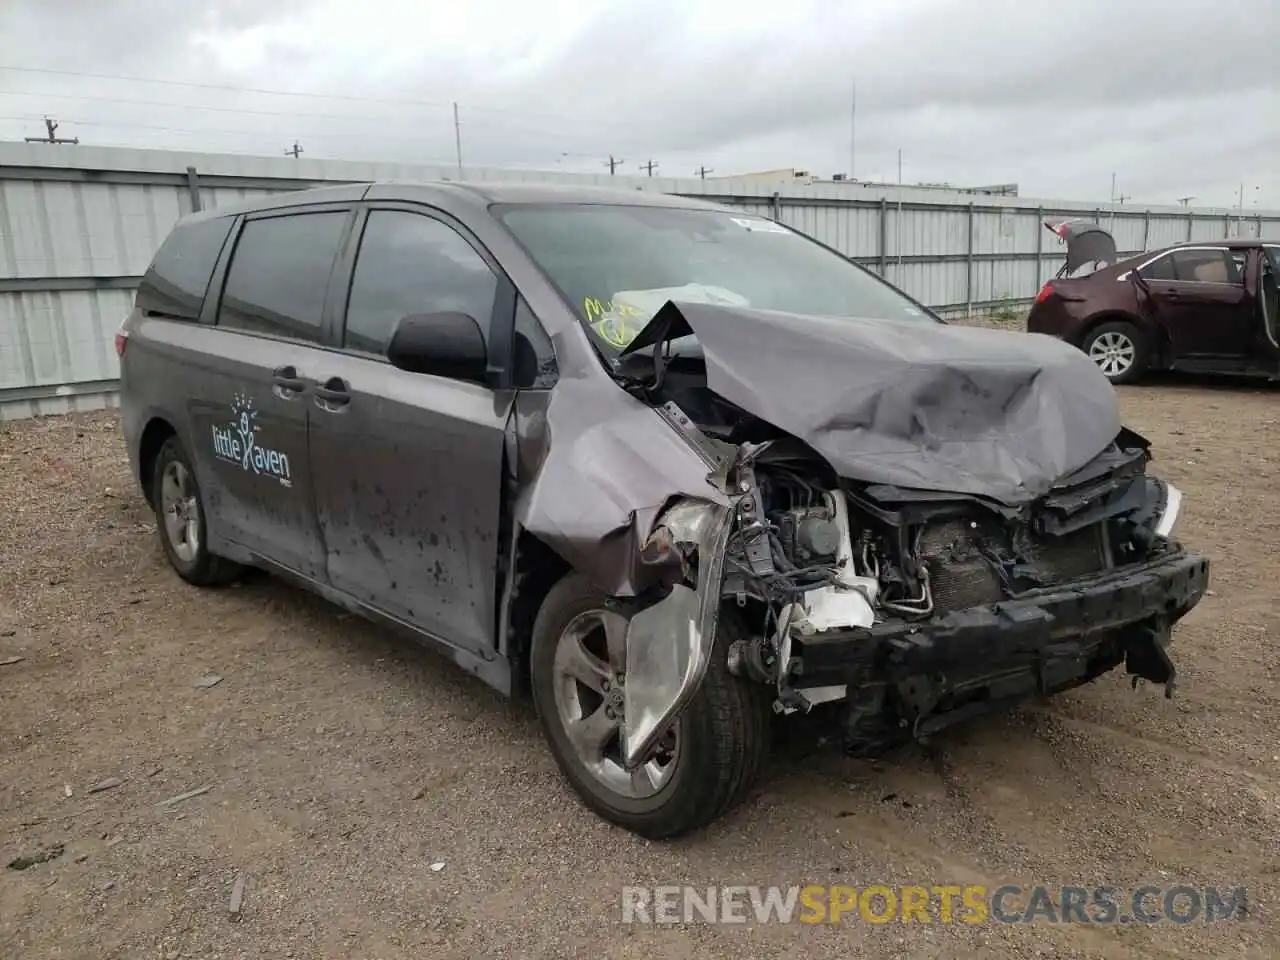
<point x="1176" y="98"/>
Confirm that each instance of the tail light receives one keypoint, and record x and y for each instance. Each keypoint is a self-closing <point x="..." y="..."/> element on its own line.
<point x="122" y="341"/>
<point x="1045" y="293"/>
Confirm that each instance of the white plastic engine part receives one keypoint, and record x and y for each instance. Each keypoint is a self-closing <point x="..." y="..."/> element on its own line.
<point x="852" y="604"/>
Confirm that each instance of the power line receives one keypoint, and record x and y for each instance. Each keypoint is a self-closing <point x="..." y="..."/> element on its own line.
<point x="345" y="118"/>
<point x="191" y="106"/>
<point x="214" y="133"/>
<point x="192" y="84"/>
<point x="267" y="91"/>
<point x="541" y="131"/>
<point x="218" y="130"/>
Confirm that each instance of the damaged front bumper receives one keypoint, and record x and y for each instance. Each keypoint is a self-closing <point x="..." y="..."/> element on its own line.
<point x="940" y="671"/>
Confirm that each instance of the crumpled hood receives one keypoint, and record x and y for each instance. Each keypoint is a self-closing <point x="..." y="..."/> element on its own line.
<point x="921" y="405"/>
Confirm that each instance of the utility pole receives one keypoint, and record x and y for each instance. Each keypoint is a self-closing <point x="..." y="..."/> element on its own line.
<point x="853" y="126"/>
<point x="613" y="163"/>
<point x="457" y="138"/>
<point x="703" y="171"/>
<point x="294" y="150"/>
<point x="1185" y="200"/>
<point x="52" y="127"/>
<point x="1114" y="198"/>
<point x="649" y="166"/>
<point x="898" y="226"/>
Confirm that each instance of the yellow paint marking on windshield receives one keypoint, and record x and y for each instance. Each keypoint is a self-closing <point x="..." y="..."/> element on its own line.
<point x="616" y="323"/>
<point x="616" y="331"/>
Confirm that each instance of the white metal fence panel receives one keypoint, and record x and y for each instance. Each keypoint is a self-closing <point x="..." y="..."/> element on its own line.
<point x="78" y="226"/>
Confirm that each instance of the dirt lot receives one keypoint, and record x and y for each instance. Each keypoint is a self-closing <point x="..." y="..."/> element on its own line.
<point x="341" y="763"/>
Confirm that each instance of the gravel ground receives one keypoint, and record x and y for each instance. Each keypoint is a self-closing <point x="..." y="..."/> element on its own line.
<point x="340" y="764"/>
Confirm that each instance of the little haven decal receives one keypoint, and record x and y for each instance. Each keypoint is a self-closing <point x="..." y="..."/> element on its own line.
<point x="238" y="443"/>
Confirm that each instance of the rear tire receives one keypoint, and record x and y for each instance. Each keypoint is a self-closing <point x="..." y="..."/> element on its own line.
<point x="1119" y="350"/>
<point x="714" y="753"/>
<point x="180" y="520"/>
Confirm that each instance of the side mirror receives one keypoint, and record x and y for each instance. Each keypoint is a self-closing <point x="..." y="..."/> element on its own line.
<point x="441" y="344"/>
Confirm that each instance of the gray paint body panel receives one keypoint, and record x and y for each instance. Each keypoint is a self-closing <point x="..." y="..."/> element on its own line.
<point x="924" y="406"/>
<point x="396" y="500"/>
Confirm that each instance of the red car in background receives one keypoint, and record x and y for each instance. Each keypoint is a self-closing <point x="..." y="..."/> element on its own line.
<point x="1203" y="307"/>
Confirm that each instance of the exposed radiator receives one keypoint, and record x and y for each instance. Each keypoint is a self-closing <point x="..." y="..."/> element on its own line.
<point x="961" y="576"/>
<point x="1078" y="554"/>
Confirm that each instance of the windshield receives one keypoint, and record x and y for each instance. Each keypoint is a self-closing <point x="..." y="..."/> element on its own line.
<point x="617" y="265"/>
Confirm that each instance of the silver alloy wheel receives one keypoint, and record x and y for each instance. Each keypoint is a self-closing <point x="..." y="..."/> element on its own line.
<point x="590" y="678"/>
<point x="181" y="509"/>
<point x="1113" y="352"/>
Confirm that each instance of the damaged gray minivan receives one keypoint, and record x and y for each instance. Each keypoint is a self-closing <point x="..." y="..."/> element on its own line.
<point x="675" y="466"/>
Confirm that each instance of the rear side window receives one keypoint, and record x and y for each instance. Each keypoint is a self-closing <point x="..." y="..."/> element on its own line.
<point x="279" y="274"/>
<point x="410" y="263"/>
<point x="1204" y="266"/>
<point x="175" y="283"/>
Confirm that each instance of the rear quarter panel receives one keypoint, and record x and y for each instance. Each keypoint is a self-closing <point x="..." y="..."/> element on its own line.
<point x="155" y="377"/>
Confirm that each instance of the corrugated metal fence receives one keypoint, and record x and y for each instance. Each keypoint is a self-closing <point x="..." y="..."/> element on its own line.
<point x="78" y="226"/>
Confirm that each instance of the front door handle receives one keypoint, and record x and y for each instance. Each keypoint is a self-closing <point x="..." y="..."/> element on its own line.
<point x="333" y="395"/>
<point x="285" y="382"/>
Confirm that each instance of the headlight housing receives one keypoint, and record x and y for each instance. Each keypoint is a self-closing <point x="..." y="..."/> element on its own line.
<point x="1170" y="506"/>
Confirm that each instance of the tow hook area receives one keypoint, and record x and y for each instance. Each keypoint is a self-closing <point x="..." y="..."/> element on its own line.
<point x="1145" y="657"/>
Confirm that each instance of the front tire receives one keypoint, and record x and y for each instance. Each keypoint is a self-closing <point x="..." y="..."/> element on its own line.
<point x="704" y="765"/>
<point x="180" y="520"/>
<point x="1119" y="350"/>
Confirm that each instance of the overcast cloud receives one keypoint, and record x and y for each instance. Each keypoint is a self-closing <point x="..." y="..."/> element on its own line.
<point x="1176" y="98"/>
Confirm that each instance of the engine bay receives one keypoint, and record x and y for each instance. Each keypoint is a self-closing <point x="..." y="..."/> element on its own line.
<point x="811" y="552"/>
<point x="815" y="554"/>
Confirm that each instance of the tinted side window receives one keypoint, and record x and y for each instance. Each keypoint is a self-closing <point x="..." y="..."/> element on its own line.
<point x="279" y="272"/>
<point x="1161" y="269"/>
<point x="409" y="263"/>
<point x="1204" y="266"/>
<point x="175" y="283"/>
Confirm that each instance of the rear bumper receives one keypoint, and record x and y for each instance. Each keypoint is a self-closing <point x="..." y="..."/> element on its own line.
<point x="1053" y="319"/>
<point x="939" y="670"/>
